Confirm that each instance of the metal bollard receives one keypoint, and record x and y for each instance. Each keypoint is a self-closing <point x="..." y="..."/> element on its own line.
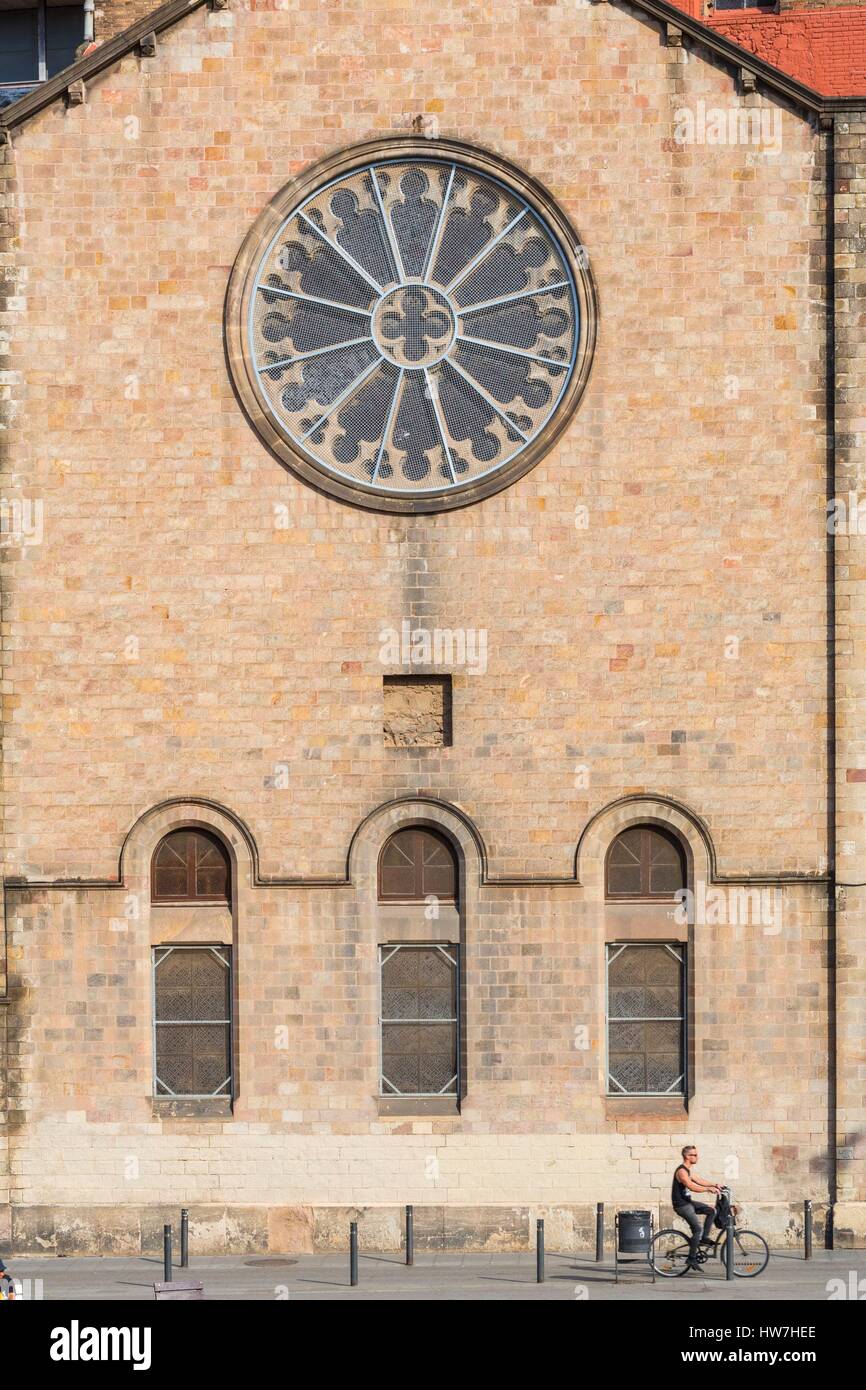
<point x="166" y="1254"/>
<point x="807" y="1228"/>
<point x="410" y="1235"/>
<point x="539" y="1251"/>
<point x="599" y="1232"/>
<point x="729" y="1248"/>
<point x="353" y="1253"/>
<point x="184" y="1238"/>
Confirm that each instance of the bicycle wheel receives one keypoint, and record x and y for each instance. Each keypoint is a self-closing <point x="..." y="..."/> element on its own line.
<point x="751" y="1253"/>
<point x="669" y="1253"/>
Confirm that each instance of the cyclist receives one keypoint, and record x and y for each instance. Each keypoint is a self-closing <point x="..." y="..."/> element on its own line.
<point x="685" y="1184"/>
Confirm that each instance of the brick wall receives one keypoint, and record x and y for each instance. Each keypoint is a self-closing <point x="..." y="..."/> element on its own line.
<point x="703" y="9"/>
<point x="821" y="43"/>
<point x="826" y="51"/>
<point x="819" y="4"/>
<point x="167" y="640"/>
<point x="110" y="17"/>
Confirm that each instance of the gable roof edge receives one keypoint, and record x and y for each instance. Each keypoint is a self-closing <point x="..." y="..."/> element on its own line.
<point x="116" y="48"/>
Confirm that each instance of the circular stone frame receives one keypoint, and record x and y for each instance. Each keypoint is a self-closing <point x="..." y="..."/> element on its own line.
<point x="242" y="283"/>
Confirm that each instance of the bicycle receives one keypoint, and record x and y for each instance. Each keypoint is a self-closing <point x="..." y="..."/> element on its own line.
<point x="670" y="1250"/>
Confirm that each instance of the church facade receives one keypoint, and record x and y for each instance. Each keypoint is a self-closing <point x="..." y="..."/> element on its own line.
<point x="432" y="629"/>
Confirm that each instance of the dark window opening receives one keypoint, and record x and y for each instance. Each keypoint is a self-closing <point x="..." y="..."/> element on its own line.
<point x="645" y="862"/>
<point x="64" y="32"/>
<point x="191" y="866"/>
<point x="19" y="46"/>
<point x="37" y="40"/>
<point x="416" y="864"/>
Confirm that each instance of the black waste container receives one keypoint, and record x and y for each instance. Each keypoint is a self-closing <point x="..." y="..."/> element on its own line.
<point x="634" y="1232"/>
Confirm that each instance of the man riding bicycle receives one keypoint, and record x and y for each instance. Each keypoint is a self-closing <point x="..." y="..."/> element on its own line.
<point x="685" y="1183"/>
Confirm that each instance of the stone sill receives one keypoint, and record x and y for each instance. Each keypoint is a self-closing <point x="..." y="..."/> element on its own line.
<point x="178" y="1108"/>
<point x="663" y="1106"/>
<point x="418" y="1109"/>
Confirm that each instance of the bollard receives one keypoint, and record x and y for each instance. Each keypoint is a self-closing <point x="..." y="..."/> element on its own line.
<point x="807" y="1227"/>
<point x="166" y="1254"/>
<point x="539" y="1251"/>
<point x="184" y="1238"/>
<point x="410" y="1235"/>
<point x="599" y="1232"/>
<point x="729" y="1248"/>
<point x="353" y="1253"/>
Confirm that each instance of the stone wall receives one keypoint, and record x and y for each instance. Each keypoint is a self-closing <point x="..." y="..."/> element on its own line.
<point x="652" y="594"/>
<point x="850" y="947"/>
<point x="617" y="570"/>
<point x="9" y="305"/>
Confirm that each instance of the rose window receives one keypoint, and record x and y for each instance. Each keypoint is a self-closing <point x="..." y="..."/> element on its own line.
<point x="411" y="330"/>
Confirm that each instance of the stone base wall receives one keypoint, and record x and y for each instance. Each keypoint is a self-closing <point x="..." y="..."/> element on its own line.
<point x="296" y="1230"/>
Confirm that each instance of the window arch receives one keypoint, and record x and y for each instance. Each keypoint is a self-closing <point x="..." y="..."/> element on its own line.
<point x="645" y="862"/>
<point x="190" y="865"/>
<point x="417" y="863"/>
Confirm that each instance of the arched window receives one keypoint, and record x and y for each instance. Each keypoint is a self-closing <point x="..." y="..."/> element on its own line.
<point x="415" y="864"/>
<point x="645" y="862"/>
<point x="190" y="866"/>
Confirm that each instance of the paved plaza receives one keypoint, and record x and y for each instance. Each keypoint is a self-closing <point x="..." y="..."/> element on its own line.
<point x="839" y="1274"/>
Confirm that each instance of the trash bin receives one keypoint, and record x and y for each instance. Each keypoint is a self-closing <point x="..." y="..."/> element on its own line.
<point x="635" y="1232"/>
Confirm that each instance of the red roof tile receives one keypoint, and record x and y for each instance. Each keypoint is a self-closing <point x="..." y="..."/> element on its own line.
<point x="826" y="49"/>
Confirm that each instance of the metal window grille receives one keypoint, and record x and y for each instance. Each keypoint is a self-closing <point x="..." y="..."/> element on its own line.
<point x="646" y="1019"/>
<point x="419" y="1020"/>
<point x="413" y="325"/>
<point x="192" y="1045"/>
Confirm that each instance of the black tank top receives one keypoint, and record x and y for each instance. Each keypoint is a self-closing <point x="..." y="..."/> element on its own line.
<point x="680" y="1194"/>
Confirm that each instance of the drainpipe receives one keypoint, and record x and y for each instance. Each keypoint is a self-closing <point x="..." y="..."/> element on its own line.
<point x="834" y="758"/>
<point x="89" y="6"/>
